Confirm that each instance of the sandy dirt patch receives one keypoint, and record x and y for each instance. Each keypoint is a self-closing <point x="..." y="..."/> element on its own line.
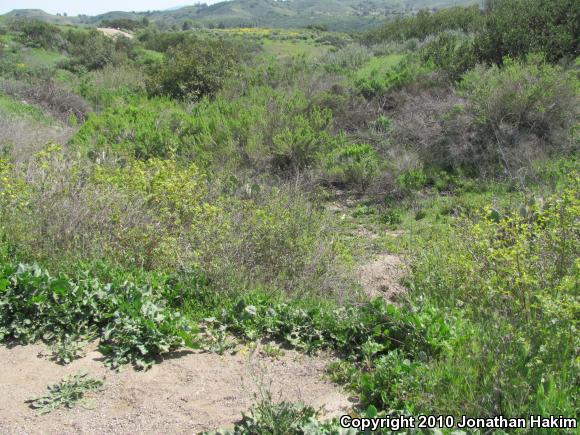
<point x="382" y="277"/>
<point x="189" y="393"/>
<point x="113" y="33"/>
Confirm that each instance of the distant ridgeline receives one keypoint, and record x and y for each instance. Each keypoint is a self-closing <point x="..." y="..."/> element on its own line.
<point x="337" y="15"/>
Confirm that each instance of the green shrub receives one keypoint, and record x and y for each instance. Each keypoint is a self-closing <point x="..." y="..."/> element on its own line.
<point x="399" y="74"/>
<point x="529" y="95"/>
<point x="425" y="23"/>
<point x="352" y="166"/>
<point x="413" y="179"/>
<point x="382" y="124"/>
<point x="153" y="39"/>
<point x="363" y="210"/>
<point x="347" y="58"/>
<point x="512" y="275"/>
<point x="161" y="215"/>
<point x="38" y="34"/>
<point x="66" y="211"/>
<point x="112" y="85"/>
<point x="141" y="129"/>
<point x="51" y="96"/>
<point x="194" y="69"/>
<point x="451" y="53"/>
<point x="264" y="131"/>
<point x="301" y="145"/>
<point x="90" y="51"/>
<point x="522" y="109"/>
<point x="276" y="239"/>
<point x="516" y="28"/>
<point x="123" y="23"/>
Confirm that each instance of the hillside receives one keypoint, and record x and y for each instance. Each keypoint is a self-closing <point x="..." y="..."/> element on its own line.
<point x="251" y="230"/>
<point x="340" y="15"/>
<point x="38" y="14"/>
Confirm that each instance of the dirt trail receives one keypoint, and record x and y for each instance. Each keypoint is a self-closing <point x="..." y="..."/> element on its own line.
<point x="189" y="393"/>
<point x="381" y="275"/>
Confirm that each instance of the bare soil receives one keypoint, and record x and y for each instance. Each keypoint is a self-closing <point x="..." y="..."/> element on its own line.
<point x="187" y="393"/>
<point x="113" y="33"/>
<point x="381" y="277"/>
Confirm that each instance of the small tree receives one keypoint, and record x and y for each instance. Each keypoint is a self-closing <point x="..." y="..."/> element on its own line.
<point x="195" y="68"/>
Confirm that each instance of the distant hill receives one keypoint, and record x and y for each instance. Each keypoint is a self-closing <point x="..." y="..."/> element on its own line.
<point x="340" y="15"/>
<point x="39" y="14"/>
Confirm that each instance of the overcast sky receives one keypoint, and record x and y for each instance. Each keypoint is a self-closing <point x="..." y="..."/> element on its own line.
<point x="92" y="7"/>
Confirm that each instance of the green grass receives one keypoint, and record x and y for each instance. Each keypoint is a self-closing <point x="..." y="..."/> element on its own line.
<point x="38" y="57"/>
<point x="377" y="67"/>
<point x="291" y="48"/>
<point x="11" y="108"/>
<point x="146" y="57"/>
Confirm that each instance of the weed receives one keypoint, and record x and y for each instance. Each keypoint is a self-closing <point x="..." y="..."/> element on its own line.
<point x="391" y="217"/>
<point x="267" y="417"/>
<point x="272" y="351"/>
<point x="216" y="338"/>
<point x="363" y="210"/>
<point x="69" y="348"/>
<point x="421" y="214"/>
<point x="65" y="394"/>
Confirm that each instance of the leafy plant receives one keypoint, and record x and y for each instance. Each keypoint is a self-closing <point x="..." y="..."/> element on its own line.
<point x="65" y="394"/>
<point x="216" y="337"/>
<point x="133" y="323"/>
<point x="68" y="348"/>
<point x="281" y="419"/>
<point x="391" y="217"/>
<point x="141" y="330"/>
<point x="272" y="351"/>
<point x="373" y="329"/>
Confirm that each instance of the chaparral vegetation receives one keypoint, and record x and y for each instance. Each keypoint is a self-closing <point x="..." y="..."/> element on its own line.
<point x="205" y="186"/>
